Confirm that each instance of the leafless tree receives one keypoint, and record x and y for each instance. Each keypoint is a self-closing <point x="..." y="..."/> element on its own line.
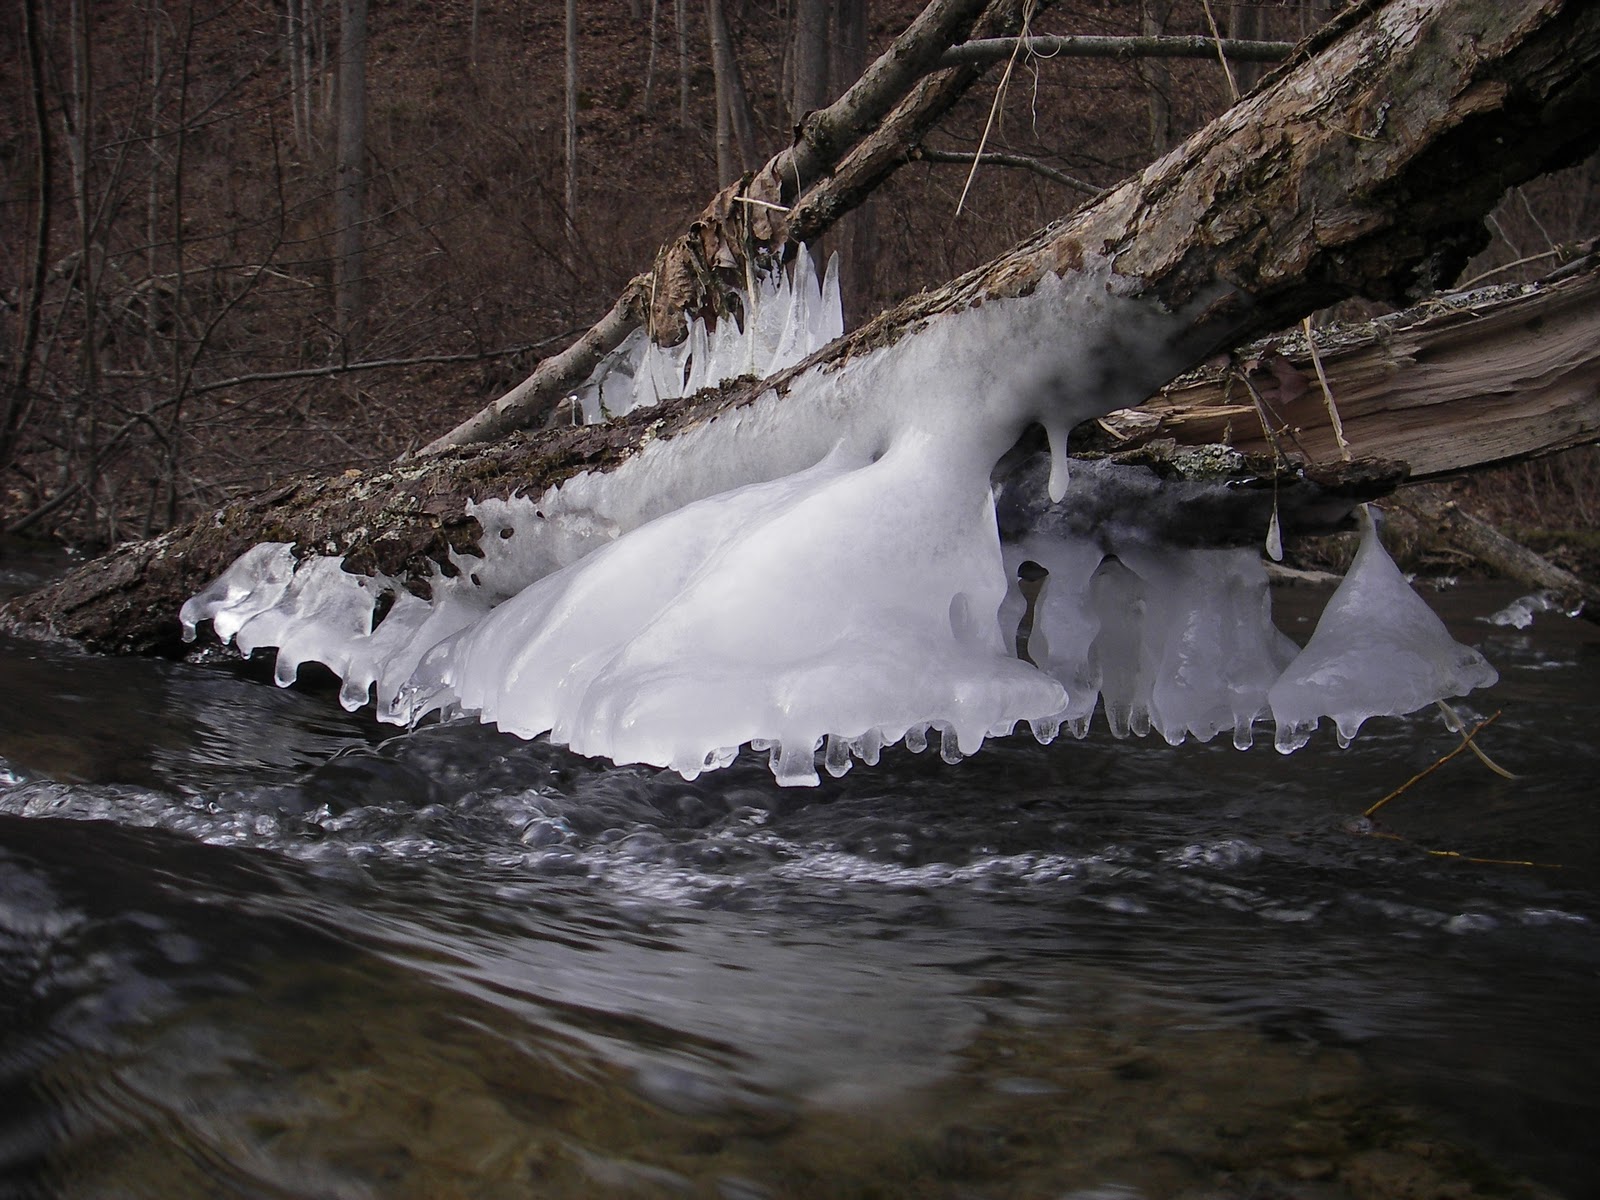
<point x="571" y="125"/>
<point x="811" y="26"/>
<point x="735" y="137"/>
<point x="351" y="172"/>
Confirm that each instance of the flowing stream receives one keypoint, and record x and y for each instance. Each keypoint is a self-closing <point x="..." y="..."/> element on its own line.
<point x="252" y="946"/>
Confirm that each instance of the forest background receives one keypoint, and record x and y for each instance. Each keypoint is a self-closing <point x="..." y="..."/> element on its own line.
<point x="245" y="240"/>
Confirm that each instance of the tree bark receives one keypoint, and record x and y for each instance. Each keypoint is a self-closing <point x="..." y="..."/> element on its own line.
<point x="1459" y="383"/>
<point x="1324" y="186"/>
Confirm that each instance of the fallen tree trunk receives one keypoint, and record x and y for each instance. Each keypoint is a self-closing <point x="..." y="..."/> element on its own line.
<point x="1363" y="167"/>
<point x="1458" y="383"/>
<point x="1510" y="559"/>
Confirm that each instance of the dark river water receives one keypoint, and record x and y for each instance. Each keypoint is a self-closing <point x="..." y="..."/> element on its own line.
<point x="252" y="946"/>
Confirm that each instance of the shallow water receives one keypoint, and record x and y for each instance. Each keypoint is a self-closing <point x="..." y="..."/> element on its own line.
<point x="250" y="945"/>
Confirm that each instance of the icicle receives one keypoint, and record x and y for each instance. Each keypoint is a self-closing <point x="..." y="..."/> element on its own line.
<point x="1058" y="433"/>
<point x="830" y="319"/>
<point x="837" y="758"/>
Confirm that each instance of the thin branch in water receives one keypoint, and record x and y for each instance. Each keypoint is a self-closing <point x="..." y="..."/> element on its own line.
<point x="1455" y="723"/>
<point x="1469" y="858"/>
<point x="1466" y="743"/>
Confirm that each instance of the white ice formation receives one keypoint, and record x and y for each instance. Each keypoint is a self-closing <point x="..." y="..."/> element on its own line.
<point x="820" y="574"/>
<point x="788" y="314"/>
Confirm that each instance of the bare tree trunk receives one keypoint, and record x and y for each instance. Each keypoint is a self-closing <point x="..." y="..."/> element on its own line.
<point x="294" y="37"/>
<point x="19" y="400"/>
<point x="655" y="53"/>
<point x="681" y="19"/>
<point x="571" y="137"/>
<point x="858" y="249"/>
<point x="811" y="19"/>
<point x="80" y="143"/>
<point x="729" y="166"/>
<point x="736" y="151"/>
<point x="1158" y="77"/>
<point x="1245" y="24"/>
<point x="351" y="182"/>
<point x="153" y="192"/>
<point x="174" y="438"/>
<point x="1477" y="97"/>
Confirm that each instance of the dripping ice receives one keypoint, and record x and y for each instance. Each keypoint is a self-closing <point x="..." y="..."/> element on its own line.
<point x="820" y="575"/>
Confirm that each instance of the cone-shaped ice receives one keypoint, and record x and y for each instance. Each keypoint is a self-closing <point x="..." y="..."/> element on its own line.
<point x="1378" y="650"/>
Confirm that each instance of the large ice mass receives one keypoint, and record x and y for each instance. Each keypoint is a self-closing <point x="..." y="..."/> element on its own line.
<point x="821" y="574"/>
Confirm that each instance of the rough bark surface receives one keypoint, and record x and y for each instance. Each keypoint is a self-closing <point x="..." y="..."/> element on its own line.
<point x="1458" y="383"/>
<point x="1363" y="166"/>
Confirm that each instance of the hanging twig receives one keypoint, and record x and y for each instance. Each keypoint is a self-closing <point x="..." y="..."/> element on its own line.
<point x="1222" y="57"/>
<point x="994" y="109"/>
<point x="1327" y="391"/>
<point x="1262" y="411"/>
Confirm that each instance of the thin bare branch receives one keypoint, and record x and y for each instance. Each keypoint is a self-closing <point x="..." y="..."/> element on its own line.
<point x="375" y="364"/>
<point x="988" y="50"/>
<point x="1001" y="159"/>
